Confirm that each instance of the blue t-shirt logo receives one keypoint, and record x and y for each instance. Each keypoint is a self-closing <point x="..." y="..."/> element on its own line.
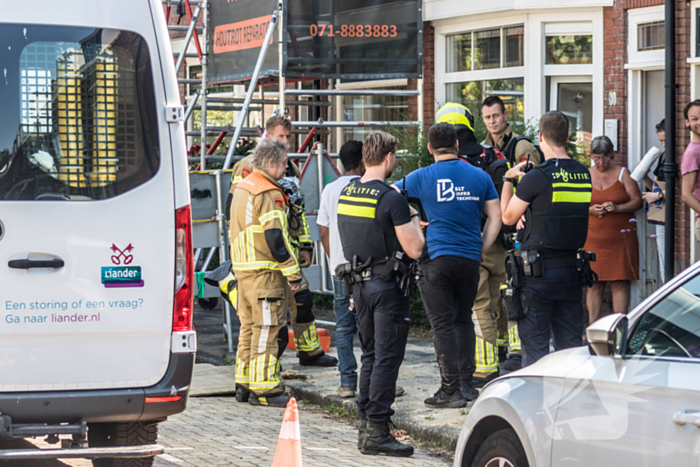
<point x="445" y="190"/>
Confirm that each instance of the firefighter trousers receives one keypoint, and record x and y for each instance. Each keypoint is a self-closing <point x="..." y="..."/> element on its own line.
<point x="306" y="338"/>
<point x="261" y="309"/>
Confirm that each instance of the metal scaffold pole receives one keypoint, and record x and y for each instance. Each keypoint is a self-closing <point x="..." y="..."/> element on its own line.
<point x="282" y="81"/>
<point x="251" y="88"/>
<point x="205" y="54"/>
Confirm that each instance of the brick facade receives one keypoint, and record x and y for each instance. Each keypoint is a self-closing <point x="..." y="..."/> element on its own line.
<point x="615" y="57"/>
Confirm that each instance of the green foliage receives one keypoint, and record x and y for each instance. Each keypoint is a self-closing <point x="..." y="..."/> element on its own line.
<point x="419" y="319"/>
<point x="323" y="302"/>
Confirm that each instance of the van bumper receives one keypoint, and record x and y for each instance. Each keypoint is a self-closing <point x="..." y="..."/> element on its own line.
<point x="109" y="405"/>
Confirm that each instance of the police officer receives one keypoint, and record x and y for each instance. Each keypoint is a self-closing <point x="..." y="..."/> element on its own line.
<point x="551" y="210"/>
<point x="379" y="231"/>
<point x="264" y="264"/>
<point x="306" y="339"/>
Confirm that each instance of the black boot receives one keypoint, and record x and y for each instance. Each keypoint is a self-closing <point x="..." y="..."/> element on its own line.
<point x="242" y="393"/>
<point x="513" y="363"/>
<point x="318" y="360"/>
<point x="468" y="391"/>
<point x="362" y="432"/>
<point x="279" y="400"/>
<point x="442" y="400"/>
<point x="378" y="440"/>
<point x="481" y="382"/>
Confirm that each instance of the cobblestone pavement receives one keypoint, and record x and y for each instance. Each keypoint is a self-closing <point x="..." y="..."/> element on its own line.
<point x="218" y="431"/>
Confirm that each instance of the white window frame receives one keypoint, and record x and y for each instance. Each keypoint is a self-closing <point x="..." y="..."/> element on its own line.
<point x="647" y="58"/>
<point x="535" y="22"/>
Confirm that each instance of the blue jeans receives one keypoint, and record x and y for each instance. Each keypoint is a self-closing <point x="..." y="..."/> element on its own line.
<point x="344" y="334"/>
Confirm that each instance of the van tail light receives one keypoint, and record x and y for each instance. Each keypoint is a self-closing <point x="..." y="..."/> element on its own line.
<point x="184" y="271"/>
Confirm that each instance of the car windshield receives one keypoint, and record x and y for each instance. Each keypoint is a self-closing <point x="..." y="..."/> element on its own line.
<point x="78" y="113"/>
<point x="671" y="328"/>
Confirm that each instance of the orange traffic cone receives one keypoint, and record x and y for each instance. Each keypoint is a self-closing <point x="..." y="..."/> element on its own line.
<point x="288" y="453"/>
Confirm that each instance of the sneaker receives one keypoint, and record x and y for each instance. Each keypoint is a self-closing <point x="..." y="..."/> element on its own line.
<point x="242" y="393"/>
<point x="321" y="360"/>
<point x="442" y="400"/>
<point x="481" y="382"/>
<point x="399" y="391"/>
<point x="279" y="400"/>
<point x="346" y="393"/>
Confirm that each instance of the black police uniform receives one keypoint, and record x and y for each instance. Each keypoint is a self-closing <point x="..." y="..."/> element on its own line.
<point x="559" y="193"/>
<point x="367" y="214"/>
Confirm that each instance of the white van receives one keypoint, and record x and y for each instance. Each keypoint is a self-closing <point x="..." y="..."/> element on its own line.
<point x="96" y="273"/>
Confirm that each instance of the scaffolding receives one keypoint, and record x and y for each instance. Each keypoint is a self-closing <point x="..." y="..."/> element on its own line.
<point x="318" y="168"/>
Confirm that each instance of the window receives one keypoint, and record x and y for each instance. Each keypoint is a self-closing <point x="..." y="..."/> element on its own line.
<point x="459" y="56"/>
<point x="485" y="50"/>
<point x="79" y="117"/>
<point x="513" y="46"/>
<point x="569" y="50"/>
<point x="672" y="327"/>
<point x="650" y="36"/>
<point x="372" y="108"/>
<point x="473" y="93"/>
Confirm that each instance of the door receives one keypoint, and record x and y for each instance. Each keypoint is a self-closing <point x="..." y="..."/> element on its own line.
<point x="87" y="210"/>
<point x="653" y="112"/>
<point x="573" y="96"/>
<point x="643" y="409"/>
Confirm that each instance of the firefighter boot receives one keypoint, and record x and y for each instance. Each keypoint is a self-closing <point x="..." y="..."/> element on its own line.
<point x="242" y="393"/>
<point x="279" y="400"/>
<point x="318" y="360"/>
<point x="378" y="440"/>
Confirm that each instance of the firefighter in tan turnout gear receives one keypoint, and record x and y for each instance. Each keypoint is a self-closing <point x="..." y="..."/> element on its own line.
<point x="263" y="261"/>
<point x="300" y="302"/>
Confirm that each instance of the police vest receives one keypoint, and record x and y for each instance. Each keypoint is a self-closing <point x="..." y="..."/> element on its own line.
<point x="564" y="225"/>
<point x="360" y="233"/>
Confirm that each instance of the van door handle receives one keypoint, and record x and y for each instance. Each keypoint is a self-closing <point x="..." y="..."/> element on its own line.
<point x="29" y="264"/>
<point x="687" y="418"/>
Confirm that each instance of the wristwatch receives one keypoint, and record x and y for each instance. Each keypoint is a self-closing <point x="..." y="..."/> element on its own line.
<point x="508" y="179"/>
<point x="661" y="195"/>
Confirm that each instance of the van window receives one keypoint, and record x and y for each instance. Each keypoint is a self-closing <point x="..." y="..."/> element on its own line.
<point x="77" y="113"/>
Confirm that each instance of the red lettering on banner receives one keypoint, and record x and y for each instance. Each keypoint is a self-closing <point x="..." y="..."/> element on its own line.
<point x="248" y="34"/>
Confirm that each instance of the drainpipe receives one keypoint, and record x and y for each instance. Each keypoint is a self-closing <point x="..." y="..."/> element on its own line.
<point x="670" y="166"/>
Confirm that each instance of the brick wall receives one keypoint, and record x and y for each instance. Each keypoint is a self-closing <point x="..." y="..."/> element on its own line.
<point x="642" y="3"/>
<point x="615" y="57"/>
<point x="615" y="75"/>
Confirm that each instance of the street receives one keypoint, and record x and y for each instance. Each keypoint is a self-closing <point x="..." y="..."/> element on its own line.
<point x="218" y="431"/>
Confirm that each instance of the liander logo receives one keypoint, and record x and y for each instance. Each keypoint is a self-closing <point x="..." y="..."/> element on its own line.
<point x="565" y="176"/>
<point x="129" y="276"/>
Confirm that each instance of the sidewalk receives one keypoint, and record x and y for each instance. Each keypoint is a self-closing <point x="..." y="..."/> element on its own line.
<point x="418" y="376"/>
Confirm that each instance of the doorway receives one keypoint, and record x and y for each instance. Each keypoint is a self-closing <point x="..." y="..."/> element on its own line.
<point x="573" y="96"/>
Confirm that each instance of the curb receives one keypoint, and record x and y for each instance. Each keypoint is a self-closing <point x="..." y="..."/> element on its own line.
<point x="446" y="437"/>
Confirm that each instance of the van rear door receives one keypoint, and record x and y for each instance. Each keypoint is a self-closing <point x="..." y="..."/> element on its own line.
<point x="87" y="210"/>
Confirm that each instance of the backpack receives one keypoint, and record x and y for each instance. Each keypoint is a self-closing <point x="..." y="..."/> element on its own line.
<point x="512" y="145"/>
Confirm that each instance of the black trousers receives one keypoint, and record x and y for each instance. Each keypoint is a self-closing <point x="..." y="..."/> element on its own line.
<point x="448" y="288"/>
<point x="383" y="319"/>
<point x="554" y="309"/>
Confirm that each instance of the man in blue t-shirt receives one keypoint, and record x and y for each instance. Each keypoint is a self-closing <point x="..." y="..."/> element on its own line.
<point x="454" y="195"/>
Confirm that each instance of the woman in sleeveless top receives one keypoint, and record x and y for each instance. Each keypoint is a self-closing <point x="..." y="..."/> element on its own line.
<point x="612" y="229"/>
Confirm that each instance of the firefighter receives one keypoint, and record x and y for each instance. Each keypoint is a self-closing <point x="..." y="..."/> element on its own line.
<point x="263" y="261"/>
<point x="300" y="304"/>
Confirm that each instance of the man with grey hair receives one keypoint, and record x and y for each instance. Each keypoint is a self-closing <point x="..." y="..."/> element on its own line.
<point x="264" y="262"/>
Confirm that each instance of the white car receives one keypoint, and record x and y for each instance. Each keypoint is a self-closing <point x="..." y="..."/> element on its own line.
<point x="630" y="398"/>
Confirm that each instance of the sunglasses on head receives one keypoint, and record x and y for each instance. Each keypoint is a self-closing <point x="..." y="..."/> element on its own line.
<point x="661" y="126"/>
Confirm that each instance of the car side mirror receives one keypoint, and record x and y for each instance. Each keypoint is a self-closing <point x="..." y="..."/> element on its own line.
<point x="608" y="335"/>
